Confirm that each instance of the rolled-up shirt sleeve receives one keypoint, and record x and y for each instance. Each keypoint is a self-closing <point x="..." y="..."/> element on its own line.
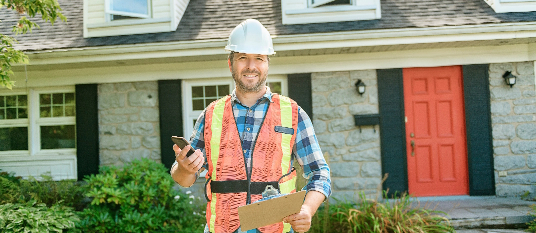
<point x="197" y="140"/>
<point x="310" y="157"/>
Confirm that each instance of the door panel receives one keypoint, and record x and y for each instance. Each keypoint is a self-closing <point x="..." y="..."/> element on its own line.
<point x="435" y="131"/>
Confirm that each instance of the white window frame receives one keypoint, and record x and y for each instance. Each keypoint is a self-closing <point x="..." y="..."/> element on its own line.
<point x="34" y="123"/>
<point x="190" y="115"/>
<point x="506" y="6"/>
<point x="304" y="12"/>
<point x="109" y="12"/>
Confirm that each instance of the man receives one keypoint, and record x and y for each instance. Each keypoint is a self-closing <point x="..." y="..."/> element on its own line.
<point x="249" y="140"/>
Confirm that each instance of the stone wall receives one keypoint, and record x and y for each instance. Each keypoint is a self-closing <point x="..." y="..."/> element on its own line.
<point x="128" y="122"/>
<point x="354" y="154"/>
<point x="514" y="129"/>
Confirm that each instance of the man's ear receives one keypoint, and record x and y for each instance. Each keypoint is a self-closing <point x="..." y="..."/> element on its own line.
<point x="230" y="67"/>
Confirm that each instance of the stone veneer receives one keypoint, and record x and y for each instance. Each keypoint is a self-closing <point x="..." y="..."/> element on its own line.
<point x="354" y="155"/>
<point x="128" y="122"/>
<point x="514" y="129"/>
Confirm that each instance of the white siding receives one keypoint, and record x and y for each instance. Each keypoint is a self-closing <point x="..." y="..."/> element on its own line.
<point x="298" y="12"/>
<point x="180" y="8"/>
<point x="505" y="6"/>
<point x="96" y="12"/>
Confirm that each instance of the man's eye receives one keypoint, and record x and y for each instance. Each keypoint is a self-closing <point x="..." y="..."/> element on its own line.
<point x="260" y="59"/>
<point x="241" y="58"/>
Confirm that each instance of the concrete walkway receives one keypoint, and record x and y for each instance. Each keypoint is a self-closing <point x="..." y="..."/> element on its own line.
<point x="486" y="213"/>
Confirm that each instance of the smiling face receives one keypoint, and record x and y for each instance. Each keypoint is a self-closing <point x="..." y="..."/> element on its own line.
<point x="249" y="71"/>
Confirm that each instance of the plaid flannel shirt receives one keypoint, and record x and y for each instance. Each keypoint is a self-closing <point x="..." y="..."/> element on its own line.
<point x="306" y="148"/>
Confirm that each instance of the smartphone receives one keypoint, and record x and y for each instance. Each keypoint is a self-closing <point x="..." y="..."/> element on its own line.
<point x="181" y="142"/>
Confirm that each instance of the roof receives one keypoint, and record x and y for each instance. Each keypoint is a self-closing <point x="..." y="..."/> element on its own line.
<point x="214" y="19"/>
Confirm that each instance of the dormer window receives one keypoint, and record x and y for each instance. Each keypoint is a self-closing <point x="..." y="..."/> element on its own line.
<point x="318" y="3"/>
<point x="324" y="11"/>
<point x="128" y="9"/>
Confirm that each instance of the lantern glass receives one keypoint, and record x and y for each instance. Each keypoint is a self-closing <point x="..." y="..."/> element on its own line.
<point x="361" y="89"/>
<point x="511" y="80"/>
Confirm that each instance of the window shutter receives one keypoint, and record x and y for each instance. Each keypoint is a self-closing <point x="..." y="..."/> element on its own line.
<point x="299" y="89"/>
<point x="87" y="130"/>
<point x="170" y="106"/>
<point x="478" y="127"/>
<point x="392" y="130"/>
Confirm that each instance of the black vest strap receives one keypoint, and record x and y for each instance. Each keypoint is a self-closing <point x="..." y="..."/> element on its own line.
<point x="238" y="186"/>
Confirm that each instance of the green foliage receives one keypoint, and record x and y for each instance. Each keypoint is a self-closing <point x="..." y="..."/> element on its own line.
<point x="398" y="215"/>
<point x="49" y="10"/>
<point x="11" y="176"/>
<point x="532" y="224"/>
<point x="68" y="192"/>
<point x="138" y="198"/>
<point x="9" y="191"/>
<point x="32" y="217"/>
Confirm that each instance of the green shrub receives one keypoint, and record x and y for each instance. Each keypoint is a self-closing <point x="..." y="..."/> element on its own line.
<point x="50" y="192"/>
<point x="398" y="215"/>
<point x="10" y="176"/>
<point x="532" y="224"/>
<point x="138" y="198"/>
<point x="32" y="217"/>
<point x="9" y="191"/>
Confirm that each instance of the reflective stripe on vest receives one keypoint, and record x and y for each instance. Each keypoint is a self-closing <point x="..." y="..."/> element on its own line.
<point x="226" y="161"/>
<point x="216" y="128"/>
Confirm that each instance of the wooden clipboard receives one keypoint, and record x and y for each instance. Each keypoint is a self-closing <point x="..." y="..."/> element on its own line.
<point x="270" y="211"/>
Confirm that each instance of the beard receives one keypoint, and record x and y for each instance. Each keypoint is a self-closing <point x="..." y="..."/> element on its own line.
<point x="249" y="88"/>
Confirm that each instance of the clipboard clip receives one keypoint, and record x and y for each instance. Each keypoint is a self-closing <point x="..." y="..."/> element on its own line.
<point x="269" y="191"/>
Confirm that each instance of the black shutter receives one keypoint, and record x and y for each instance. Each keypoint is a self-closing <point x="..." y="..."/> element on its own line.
<point x="87" y="130"/>
<point x="299" y="89"/>
<point x="170" y="106"/>
<point x="392" y="130"/>
<point x="478" y="126"/>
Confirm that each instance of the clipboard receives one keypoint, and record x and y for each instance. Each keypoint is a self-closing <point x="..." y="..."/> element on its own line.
<point x="270" y="211"/>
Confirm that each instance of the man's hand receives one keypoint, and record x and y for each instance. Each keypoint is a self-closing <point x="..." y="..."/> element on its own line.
<point x="300" y="222"/>
<point x="184" y="172"/>
<point x="188" y="165"/>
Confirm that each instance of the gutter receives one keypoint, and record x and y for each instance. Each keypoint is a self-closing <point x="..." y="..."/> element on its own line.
<point x="283" y="43"/>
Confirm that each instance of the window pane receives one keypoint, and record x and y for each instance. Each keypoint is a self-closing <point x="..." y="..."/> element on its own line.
<point x="11" y="101"/>
<point x="11" y="113"/>
<point x="57" y="137"/>
<point x="275" y="87"/>
<point x="57" y="111"/>
<point x="22" y="101"/>
<point x="197" y="91"/>
<point x="131" y="6"/>
<point x="57" y="98"/>
<point x="44" y="99"/>
<point x="223" y="90"/>
<point x="209" y="101"/>
<point x="23" y="113"/>
<point x="198" y="104"/>
<point x="44" y="112"/>
<point x="210" y="91"/>
<point x="69" y="98"/>
<point x="69" y="111"/>
<point x="2" y="114"/>
<point x="15" y="138"/>
<point x="2" y="101"/>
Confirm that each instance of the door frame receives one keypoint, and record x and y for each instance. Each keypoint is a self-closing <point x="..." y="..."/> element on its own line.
<point x="478" y="130"/>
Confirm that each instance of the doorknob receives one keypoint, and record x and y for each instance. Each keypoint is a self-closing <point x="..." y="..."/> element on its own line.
<point x="412" y="148"/>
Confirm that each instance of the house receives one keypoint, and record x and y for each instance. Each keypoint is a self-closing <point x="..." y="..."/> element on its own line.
<point x="113" y="84"/>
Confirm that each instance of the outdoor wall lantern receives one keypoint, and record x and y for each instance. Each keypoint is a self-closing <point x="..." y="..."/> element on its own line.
<point x="360" y="86"/>
<point x="509" y="78"/>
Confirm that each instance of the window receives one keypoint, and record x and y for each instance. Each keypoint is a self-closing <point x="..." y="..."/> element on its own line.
<point x="323" y="11"/>
<point x="37" y="123"/>
<point x="199" y="94"/>
<point x="127" y="9"/>
<point x="505" y="6"/>
<point x="316" y="3"/>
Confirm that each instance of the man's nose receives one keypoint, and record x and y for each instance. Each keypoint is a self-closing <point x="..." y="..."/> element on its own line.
<point x="250" y="64"/>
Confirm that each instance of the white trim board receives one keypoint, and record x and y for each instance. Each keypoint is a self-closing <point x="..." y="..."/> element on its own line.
<point x="282" y="65"/>
<point x="290" y="43"/>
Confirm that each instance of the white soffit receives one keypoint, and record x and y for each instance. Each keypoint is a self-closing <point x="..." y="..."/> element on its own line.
<point x="383" y="37"/>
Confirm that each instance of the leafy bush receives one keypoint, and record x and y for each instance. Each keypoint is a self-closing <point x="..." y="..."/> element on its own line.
<point x="32" y="217"/>
<point x="10" y="176"/>
<point x="398" y="215"/>
<point x="532" y="224"/>
<point x="138" y="198"/>
<point x="9" y="191"/>
<point x="50" y="192"/>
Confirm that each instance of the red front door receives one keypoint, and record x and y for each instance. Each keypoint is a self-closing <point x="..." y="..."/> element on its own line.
<point x="435" y="131"/>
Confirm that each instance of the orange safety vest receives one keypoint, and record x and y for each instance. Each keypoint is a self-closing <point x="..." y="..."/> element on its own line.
<point x="228" y="183"/>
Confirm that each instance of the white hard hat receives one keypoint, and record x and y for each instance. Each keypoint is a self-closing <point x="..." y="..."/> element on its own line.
<point x="250" y="37"/>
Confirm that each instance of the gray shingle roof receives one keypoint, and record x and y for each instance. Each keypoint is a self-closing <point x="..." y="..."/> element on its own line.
<point x="214" y="19"/>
